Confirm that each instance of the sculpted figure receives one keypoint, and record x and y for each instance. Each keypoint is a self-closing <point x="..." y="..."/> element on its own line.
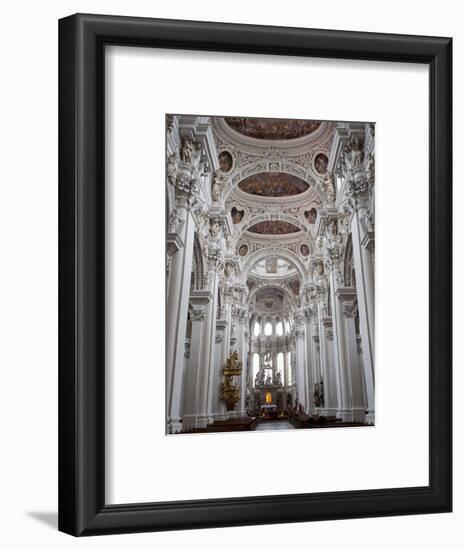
<point x="174" y="221"/>
<point x="328" y="187"/>
<point x="216" y="188"/>
<point x="172" y="169"/>
<point x="356" y="153"/>
<point x="215" y="228"/>
<point x="187" y="149"/>
<point x="332" y="229"/>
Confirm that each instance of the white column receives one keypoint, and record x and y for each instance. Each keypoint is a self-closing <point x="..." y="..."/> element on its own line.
<point x="300" y="360"/>
<point x="220" y="356"/>
<point x="178" y="300"/>
<point x="209" y="338"/>
<point x="192" y="379"/>
<point x="309" y="355"/>
<point x="286" y="368"/>
<point x="364" y="271"/>
<point x="242" y="350"/>
<point x="348" y="297"/>
<point x="328" y="374"/>
<point x="340" y="342"/>
<point x="317" y="372"/>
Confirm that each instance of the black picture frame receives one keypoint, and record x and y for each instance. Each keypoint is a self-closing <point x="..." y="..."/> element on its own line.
<point x="82" y="508"/>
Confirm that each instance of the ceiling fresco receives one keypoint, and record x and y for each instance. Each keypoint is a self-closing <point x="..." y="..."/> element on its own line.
<point x="269" y="292"/>
<point x="269" y="299"/>
<point x="272" y="128"/>
<point x="273" y="227"/>
<point x="273" y="184"/>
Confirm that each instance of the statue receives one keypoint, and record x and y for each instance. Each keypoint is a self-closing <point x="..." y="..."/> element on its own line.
<point x="332" y="229"/>
<point x="229" y="242"/>
<point x="174" y="221"/>
<point x="188" y="149"/>
<point x="279" y="378"/>
<point x="370" y="169"/>
<point x="328" y="188"/>
<point x="216" y="188"/>
<point x="356" y="153"/>
<point x="172" y="169"/>
<point x="215" y="228"/>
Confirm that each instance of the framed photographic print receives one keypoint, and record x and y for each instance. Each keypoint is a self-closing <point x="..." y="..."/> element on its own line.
<point x="255" y="274"/>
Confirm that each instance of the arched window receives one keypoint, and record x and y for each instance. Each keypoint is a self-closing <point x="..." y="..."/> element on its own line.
<point x="280" y="366"/>
<point x="287" y="326"/>
<point x="268" y="329"/>
<point x="255" y="366"/>
<point x="279" y="328"/>
<point x="256" y="329"/>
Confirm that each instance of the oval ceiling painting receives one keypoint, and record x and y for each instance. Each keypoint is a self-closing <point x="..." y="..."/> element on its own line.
<point x="272" y="128"/>
<point x="273" y="184"/>
<point x="273" y="227"/>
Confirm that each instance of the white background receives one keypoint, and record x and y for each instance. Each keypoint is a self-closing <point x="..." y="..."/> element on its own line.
<point x="28" y="219"/>
<point x="333" y="460"/>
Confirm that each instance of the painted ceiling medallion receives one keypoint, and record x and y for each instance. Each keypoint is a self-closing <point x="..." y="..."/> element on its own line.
<point x="243" y="250"/>
<point x="237" y="215"/>
<point x="321" y="163"/>
<point x="311" y="215"/>
<point x="272" y="128"/>
<point x="304" y="250"/>
<point x="225" y="161"/>
<point x="273" y="184"/>
<point x="273" y="227"/>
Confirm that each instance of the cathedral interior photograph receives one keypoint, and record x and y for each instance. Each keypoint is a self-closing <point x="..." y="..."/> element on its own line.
<point x="269" y="274"/>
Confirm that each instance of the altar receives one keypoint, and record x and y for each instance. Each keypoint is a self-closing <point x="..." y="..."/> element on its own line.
<point x="269" y="412"/>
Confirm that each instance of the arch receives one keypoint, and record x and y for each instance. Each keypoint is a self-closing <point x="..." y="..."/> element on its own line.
<point x="272" y="216"/>
<point x="283" y="253"/>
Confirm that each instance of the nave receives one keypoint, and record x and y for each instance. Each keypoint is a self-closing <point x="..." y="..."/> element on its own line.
<point x="270" y="267"/>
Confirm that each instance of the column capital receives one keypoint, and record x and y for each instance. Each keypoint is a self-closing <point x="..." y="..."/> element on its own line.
<point x="200" y="298"/>
<point x="350" y="310"/>
<point x="197" y="314"/>
<point x="346" y="294"/>
<point x="173" y="243"/>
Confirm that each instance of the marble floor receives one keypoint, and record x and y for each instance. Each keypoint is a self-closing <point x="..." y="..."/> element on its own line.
<point x="274" y="425"/>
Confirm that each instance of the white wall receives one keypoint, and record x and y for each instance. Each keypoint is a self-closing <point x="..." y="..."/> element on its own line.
<point x="28" y="276"/>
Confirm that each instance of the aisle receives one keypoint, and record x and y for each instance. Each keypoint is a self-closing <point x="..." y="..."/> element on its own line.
<point x="274" y="425"/>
